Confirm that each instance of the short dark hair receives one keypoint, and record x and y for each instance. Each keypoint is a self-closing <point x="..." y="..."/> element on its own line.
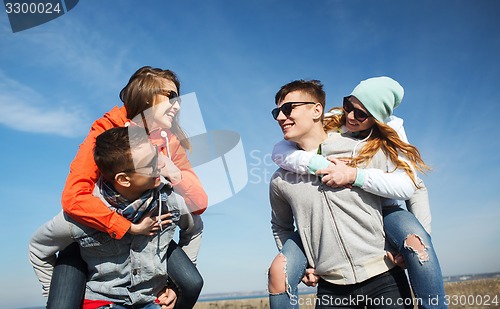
<point x="312" y="87"/>
<point x="112" y="152"/>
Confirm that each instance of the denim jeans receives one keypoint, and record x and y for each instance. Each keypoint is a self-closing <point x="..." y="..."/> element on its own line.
<point x="296" y="264"/>
<point x="425" y="278"/>
<point x="387" y="290"/>
<point x="67" y="286"/>
<point x="184" y="275"/>
<point x="425" y="275"/>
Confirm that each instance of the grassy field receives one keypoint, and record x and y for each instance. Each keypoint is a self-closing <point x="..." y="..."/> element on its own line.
<point x="483" y="293"/>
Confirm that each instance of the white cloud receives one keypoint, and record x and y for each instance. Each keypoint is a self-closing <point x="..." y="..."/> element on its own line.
<point x="68" y="56"/>
<point x="24" y="109"/>
<point x="83" y="65"/>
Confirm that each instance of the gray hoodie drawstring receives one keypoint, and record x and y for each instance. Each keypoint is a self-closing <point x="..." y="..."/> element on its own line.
<point x="359" y="142"/>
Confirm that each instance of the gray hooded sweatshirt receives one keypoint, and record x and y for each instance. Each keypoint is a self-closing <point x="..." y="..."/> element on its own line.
<point x="341" y="228"/>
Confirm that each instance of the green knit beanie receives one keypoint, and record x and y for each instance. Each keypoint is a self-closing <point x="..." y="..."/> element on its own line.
<point x="379" y="95"/>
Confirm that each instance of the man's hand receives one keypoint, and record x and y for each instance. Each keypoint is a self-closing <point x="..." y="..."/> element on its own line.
<point x="398" y="260"/>
<point x="310" y="279"/>
<point x="167" y="298"/>
<point x="337" y="174"/>
<point x="149" y="225"/>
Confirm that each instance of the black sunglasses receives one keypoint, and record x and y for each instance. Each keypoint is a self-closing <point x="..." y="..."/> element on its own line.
<point x="287" y="108"/>
<point x="172" y="96"/>
<point x="153" y="165"/>
<point x="359" y="115"/>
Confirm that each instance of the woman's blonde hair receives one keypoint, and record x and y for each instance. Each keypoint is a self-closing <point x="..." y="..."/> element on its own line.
<point x="382" y="137"/>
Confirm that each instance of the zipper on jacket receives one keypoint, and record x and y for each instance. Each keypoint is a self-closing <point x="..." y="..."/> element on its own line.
<point x="349" y="258"/>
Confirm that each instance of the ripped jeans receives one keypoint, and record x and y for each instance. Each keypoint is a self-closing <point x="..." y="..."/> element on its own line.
<point x="423" y="267"/>
<point x="296" y="264"/>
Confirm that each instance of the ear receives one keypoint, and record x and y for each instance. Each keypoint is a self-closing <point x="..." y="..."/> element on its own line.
<point x="317" y="111"/>
<point x="122" y="179"/>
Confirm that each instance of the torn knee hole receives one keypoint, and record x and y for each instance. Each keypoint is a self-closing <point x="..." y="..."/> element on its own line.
<point x="414" y="243"/>
<point x="277" y="275"/>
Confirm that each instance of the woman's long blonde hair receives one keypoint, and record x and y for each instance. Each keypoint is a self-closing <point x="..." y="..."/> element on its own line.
<point x="382" y="137"/>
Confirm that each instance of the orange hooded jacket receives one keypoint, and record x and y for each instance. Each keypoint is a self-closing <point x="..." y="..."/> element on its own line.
<point x="78" y="200"/>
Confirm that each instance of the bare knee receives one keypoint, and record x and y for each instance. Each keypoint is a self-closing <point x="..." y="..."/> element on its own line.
<point x="277" y="275"/>
<point x="415" y="244"/>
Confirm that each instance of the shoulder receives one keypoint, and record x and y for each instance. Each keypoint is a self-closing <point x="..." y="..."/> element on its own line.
<point x="116" y="117"/>
<point x="278" y="184"/>
<point x="284" y="179"/>
<point x="173" y="140"/>
<point x="395" y="122"/>
<point x="333" y="135"/>
<point x="337" y="143"/>
<point x="278" y="177"/>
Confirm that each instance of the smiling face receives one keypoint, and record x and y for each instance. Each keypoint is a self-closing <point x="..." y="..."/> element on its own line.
<point x="164" y="109"/>
<point x="303" y="118"/>
<point x="351" y="123"/>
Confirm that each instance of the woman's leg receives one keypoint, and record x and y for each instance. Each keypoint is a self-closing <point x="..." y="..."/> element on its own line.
<point x="408" y="236"/>
<point x="184" y="275"/>
<point x="67" y="287"/>
<point x="285" y="274"/>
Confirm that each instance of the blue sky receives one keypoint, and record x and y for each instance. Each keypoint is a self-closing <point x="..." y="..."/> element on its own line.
<point x="55" y="79"/>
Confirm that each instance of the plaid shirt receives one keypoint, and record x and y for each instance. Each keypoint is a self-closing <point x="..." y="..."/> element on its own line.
<point x="133" y="211"/>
